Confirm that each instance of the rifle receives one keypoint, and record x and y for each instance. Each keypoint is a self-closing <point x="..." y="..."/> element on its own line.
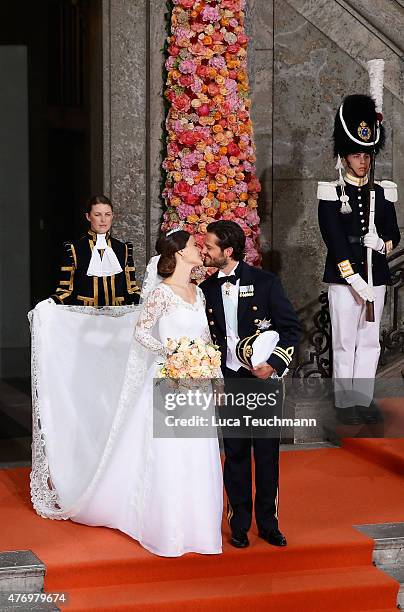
<point x="370" y="306"/>
<point x="375" y="70"/>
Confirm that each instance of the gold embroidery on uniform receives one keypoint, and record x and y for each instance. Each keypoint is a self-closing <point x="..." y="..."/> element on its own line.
<point x="345" y="268"/>
<point x="71" y="280"/>
<point x="95" y="286"/>
<point x="282" y="356"/>
<point x="74" y="254"/>
<point x="128" y="280"/>
<point x="87" y="300"/>
<point x="131" y="285"/>
<point x="106" y="292"/>
<point x="113" y="297"/>
<point x="134" y="289"/>
<point x="62" y="296"/>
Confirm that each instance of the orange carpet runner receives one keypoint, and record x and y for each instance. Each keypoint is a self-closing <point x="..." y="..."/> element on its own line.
<point x="326" y="566"/>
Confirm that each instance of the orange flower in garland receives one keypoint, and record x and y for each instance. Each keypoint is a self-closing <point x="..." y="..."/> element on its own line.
<point x="210" y="161"/>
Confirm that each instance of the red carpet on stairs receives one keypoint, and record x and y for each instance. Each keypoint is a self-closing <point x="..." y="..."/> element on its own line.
<point x="327" y="565"/>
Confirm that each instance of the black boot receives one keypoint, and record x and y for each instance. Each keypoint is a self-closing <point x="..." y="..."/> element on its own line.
<point x="348" y="416"/>
<point x="370" y="414"/>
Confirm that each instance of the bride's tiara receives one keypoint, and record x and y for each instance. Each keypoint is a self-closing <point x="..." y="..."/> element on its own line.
<point x="175" y="229"/>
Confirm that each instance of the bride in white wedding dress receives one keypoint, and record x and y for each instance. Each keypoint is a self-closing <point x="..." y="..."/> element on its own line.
<point x="109" y="470"/>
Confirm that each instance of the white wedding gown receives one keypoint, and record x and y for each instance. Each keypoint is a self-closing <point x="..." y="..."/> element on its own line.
<point x="166" y="493"/>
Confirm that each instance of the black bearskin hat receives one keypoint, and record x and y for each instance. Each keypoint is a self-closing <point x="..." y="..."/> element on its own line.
<point x="360" y="118"/>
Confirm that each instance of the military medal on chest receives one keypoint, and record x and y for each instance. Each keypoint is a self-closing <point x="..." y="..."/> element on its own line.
<point x="227" y="287"/>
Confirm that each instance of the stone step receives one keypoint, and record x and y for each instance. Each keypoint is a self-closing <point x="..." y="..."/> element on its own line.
<point x="22" y="576"/>
<point x="21" y="572"/>
<point x="397" y="573"/>
<point x="389" y="542"/>
<point x="388" y="552"/>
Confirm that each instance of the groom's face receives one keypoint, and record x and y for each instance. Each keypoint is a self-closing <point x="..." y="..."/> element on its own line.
<point x="213" y="256"/>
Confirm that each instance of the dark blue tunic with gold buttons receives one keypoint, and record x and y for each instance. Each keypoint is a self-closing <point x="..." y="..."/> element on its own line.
<point x="342" y="233"/>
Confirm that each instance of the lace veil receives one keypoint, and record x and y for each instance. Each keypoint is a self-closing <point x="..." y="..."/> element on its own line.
<point x="151" y="278"/>
<point x="87" y="370"/>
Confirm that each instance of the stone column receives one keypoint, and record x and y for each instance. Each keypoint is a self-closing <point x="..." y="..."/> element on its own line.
<point x="157" y="36"/>
<point x="125" y="32"/>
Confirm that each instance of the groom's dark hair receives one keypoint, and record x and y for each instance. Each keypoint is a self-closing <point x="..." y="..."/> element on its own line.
<point x="229" y="234"/>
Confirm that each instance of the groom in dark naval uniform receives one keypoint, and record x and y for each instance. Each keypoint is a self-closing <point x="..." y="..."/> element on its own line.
<point x="239" y="298"/>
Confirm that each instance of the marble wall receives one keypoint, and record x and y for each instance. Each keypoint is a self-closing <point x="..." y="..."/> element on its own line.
<point x="304" y="56"/>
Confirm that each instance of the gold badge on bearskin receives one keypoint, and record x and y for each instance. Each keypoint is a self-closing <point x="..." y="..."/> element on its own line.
<point x="364" y="131"/>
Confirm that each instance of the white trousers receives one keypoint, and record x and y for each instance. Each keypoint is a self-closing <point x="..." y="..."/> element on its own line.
<point x="355" y="345"/>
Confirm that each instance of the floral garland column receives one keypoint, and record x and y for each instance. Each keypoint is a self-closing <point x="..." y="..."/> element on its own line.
<point x="210" y="149"/>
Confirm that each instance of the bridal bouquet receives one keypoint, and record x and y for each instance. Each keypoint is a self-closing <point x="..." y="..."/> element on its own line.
<point x="191" y="359"/>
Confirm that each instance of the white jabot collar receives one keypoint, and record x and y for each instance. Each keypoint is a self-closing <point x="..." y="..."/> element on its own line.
<point x="355" y="180"/>
<point x="108" y="264"/>
<point x="232" y="273"/>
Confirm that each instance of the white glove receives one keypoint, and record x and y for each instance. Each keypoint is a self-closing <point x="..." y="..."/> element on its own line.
<point x="373" y="241"/>
<point x="361" y="287"/>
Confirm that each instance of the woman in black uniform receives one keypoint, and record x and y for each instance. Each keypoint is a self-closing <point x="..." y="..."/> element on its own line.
<point x="98" y="270"/>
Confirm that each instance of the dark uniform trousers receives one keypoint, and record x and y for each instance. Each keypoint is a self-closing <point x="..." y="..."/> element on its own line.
<point x="263" y="299"/>
<point x="237" y="475"/>
<point x="76" y="288"/>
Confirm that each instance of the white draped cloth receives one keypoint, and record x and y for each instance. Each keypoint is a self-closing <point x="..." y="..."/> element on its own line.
<point x="95" y="459"/>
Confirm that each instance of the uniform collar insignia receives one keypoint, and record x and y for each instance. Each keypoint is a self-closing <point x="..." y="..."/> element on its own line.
<point x="355" y="180"/>
<point x="93" y="235"/>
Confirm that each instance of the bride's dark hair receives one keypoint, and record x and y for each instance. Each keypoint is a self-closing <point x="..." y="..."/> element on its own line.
<point x="167" y="247"/>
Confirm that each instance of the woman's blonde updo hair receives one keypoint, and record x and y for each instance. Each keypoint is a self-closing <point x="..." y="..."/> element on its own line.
<point x="167" y="247"/>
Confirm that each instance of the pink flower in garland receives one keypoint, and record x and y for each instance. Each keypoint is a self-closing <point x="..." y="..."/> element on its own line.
<point x="210" y="13"/>
<point x="210" y="161"/>
<point x="187" y="66"/>
<point x="217" y="62"/>
<point x="200" y="189"/>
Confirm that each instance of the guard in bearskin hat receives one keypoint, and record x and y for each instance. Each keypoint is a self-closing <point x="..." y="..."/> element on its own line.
<point x="358" y="224"/>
